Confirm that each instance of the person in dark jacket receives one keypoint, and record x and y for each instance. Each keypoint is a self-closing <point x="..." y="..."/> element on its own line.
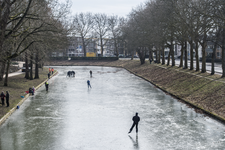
<point x="73" y="73"/>
<point x="90" y="73"/>
<point x="31" y="91"/>
<point x="135" y="119"/>
<point x="46" y="85"/>
<point x="7" y="98"/>
<point x="3" y="98"/>
<point x="88" y="84"/>
<point x="68" y="74"/>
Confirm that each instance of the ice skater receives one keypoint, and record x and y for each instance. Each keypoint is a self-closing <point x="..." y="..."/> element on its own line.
<point x="68" y="74"/>
<point x="88" y="83"/>
<point x="135" y="119"/>
<point x="73" y="73"/>
<point x="90" y="73"/>
<point x="46" y="85"/>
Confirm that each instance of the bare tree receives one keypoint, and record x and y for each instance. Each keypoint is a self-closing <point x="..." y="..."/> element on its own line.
<point x="82" y="25"/>
<point x="101" y="27"/>
<point x="115" y="31"/>
<point x="25" y="23"/>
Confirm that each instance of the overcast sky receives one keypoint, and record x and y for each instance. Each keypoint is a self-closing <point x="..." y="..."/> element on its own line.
<point x="109" y="7"/>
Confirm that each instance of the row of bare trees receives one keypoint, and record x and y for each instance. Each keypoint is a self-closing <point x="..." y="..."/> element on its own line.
<point x="100" y="27"/>
<point x="159" y="24"/>
<point x="30" y="28"/>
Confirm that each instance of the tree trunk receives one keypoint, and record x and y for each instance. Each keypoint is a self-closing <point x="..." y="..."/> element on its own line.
<point x="101" y="46"/>
<point x="191" y="55"/>
<point x="150" y="54"/>
<point x="213" y="60"/>
<point x="159" y="55"/>
<point x="196" y="56"/>
<point x="116" y="47"/>
<point x="168" y="61"/>
<point x="2" y="70"/>
<point x="84" y="46"/>
<point x="203" y="58"/>
<point x="6" y="74"/>
<point x="186" y="56"/>
<point x="172" y="52"/>
<point x="36" y="74"/>
<point x="223" y="53"/>
<point x="141" y="54"/>
<point x="163" y="54"/>
<point x="181" y="55"/>
<point x="156" y="56"/>
<point x="27" y="67"/>
<point x="31" y="67"/>
<point x="214" y="51"/>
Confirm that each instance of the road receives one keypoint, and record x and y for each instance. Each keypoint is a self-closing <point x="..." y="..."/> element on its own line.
<point x="217" y="67"/>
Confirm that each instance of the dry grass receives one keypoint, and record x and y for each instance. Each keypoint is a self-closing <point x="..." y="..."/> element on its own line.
<point x="17" y="85"/>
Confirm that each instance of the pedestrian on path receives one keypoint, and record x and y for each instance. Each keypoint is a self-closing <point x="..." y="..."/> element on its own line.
<point x="49" y="75"/>
<point x="88" y="83"/>
<point x="135" y="119"/>
<point x="3" y="98"/>
<point x="46" y="85"/>
<point x="52" y="70"/>
<point x="49" y="69"/>
<point x="7" y="98"/>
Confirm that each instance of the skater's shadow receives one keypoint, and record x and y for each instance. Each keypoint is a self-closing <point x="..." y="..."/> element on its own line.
<point x="135" y="143"/>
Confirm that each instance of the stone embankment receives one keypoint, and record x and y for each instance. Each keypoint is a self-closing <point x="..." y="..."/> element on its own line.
<point x="202" y="91"/>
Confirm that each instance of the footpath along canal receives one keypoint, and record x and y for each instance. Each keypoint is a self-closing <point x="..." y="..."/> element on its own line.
<point x="71" y="116"/>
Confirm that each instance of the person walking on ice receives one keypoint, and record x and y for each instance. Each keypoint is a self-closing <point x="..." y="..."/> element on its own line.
<point x="46" y="85"/>
<point x="135" y="119"/>
<point x="88" y="83"/>
<point x="90" y="73"/>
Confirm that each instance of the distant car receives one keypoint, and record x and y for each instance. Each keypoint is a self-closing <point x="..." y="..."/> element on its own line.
<point x="121" y="56"/>
<point x="112" y="55"/>
<point x="24" y="69"/>
<point x="135" y="56"/>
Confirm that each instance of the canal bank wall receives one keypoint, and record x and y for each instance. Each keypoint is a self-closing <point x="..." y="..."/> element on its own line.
<point x="202" y="91"/>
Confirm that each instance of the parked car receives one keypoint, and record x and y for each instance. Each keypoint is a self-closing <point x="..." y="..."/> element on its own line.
<point x="121" y="56"/>
<point x="24" y="68"/>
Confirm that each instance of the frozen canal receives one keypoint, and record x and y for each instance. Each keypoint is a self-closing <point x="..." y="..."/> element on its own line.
<point x="72" y="117"/>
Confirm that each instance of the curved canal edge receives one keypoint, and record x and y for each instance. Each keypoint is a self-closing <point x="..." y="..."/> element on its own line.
<point x="6" y="116"/>
<point x="195" y="106"/>
<point x="211" y="114"/>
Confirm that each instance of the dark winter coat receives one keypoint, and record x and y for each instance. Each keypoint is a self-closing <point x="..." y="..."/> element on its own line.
<point x="136" y="119"/>
<point x="2" y="96"/>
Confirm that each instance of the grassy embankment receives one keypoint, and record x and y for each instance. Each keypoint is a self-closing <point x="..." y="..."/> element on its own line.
<point x="17" y="85"/>
<point x="202" y="90"/>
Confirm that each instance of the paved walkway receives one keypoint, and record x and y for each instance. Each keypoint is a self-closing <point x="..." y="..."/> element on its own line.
<point x="20" y="65"/>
